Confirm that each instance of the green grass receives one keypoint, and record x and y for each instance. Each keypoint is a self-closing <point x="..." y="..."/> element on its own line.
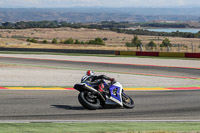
<point x="128" y="127"/>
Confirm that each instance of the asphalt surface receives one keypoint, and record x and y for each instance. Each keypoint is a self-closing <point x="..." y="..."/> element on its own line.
<point x="170" y="71"/>
<point x="64" y="105"/>
<point x="194" y="63"/>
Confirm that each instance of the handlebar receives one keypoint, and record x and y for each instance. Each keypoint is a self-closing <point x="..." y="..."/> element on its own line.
<point x="112" y="82"/>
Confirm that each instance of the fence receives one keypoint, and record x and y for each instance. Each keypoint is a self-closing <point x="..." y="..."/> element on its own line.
<point x="175" y="48"/>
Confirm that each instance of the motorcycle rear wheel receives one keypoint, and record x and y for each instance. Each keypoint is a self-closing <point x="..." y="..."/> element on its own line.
<point x="88" y="100"/>
<point x="127" y="101"/>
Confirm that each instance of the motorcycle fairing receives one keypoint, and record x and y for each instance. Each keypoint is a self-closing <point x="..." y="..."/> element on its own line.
<point x="115" y="94"/>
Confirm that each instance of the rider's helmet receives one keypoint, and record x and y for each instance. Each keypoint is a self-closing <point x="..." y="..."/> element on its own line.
<point x="90" y="73"/>
<point x="87" y="75"/>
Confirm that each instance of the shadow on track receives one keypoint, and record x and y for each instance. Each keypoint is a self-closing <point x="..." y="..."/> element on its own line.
<point x="67" y="107"/>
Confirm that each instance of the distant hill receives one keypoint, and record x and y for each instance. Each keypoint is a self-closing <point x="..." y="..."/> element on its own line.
<point x="97" y="14"/>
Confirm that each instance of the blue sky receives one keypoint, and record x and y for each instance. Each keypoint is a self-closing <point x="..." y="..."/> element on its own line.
<point x="103" y="3"/>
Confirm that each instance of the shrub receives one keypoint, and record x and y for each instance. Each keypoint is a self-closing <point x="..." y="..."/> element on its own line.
<point x="99" y="41"/>
<point x="129" y="44"/>
<point x="32" y="40"/>
<point x="151" y="44"/>
<point x="91" y="42"/>
<point x="54" y="41"/>
<point x="82" y="42"/>
<point x="45" y="41"/>
<point x="161" y="45"/>
<point x="69" y="41"/>
<point x="105" y="39"/>
<point x="77" y="42"/>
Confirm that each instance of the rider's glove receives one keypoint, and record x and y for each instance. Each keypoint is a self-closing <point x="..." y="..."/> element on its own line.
<point x="112" y="79"/>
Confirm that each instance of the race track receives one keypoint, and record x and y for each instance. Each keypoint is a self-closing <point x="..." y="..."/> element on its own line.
<point x="64" y="105"/>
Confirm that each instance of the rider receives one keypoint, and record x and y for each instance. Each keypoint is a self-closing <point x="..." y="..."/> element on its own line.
<point x="93" y="79"/>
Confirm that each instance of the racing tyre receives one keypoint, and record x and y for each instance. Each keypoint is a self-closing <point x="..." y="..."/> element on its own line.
<point x="127" y="101"/>
<point x="88" y="100"/>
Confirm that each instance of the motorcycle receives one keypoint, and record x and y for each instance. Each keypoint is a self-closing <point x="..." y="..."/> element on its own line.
<point x="91" y="98"/>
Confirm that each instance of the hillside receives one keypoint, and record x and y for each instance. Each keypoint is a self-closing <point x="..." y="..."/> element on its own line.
<point x="78" y="14"/>
<point x="17" y="38"/>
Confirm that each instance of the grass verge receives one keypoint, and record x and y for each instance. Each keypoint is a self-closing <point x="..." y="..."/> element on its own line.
<point x="82" y="69"/>
<point x="56" y="53"/>
<point x="127" y="127"/>
<point x="98" y="55"/>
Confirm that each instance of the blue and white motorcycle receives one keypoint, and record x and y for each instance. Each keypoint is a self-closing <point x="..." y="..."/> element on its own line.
<point x="91" y="98"/>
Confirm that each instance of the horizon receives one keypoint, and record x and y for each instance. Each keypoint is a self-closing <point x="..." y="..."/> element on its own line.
<point x="99" y="4"/>
<point x="185" y="7"/>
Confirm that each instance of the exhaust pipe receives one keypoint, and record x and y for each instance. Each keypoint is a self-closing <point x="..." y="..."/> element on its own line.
<point x="82" y="87"/>
<point x="95" y="92"/>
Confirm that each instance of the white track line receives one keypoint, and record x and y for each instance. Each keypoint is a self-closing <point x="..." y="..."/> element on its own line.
<point x="90" y="121"/>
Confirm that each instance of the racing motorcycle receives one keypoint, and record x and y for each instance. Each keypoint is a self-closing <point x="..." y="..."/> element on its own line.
<point x="90" y="97"/>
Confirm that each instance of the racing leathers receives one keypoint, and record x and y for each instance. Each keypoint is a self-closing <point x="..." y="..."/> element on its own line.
<point x="97" y="81"/>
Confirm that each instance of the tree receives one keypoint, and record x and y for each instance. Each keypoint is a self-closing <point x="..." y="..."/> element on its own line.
<point x="8" y="25"/>
<point x="54" y="41"/>
<point x="151" y="44"/>
<point x="135" y="39"/>
<point x="137" y="42"/>
<point x="166" y="43"/>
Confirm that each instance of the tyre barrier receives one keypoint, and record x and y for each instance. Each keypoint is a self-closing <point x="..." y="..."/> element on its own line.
<point x="169" y="54"/>
<point x="158" y="54"/>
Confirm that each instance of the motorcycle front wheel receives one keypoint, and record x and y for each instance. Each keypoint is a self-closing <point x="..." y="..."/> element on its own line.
<point x="88" y="100"/>
<point x="127" y="101"/>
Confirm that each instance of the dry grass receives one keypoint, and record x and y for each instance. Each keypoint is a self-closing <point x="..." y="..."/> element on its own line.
<point x="116" y="41"/>
<point x="7" y="65"/>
